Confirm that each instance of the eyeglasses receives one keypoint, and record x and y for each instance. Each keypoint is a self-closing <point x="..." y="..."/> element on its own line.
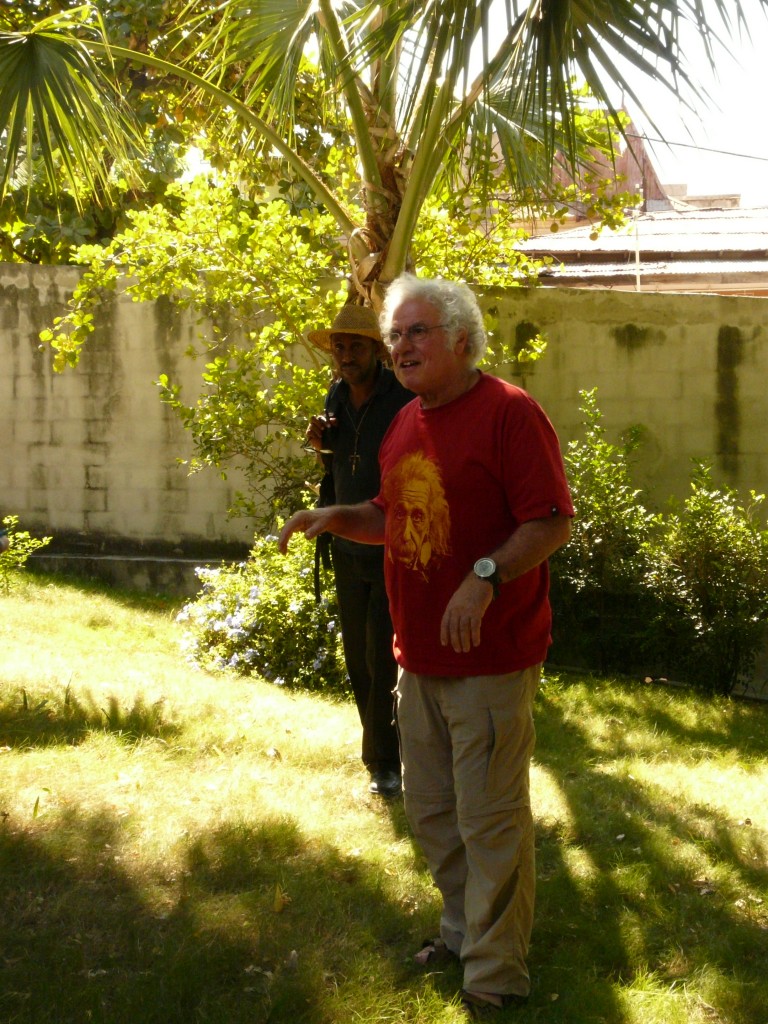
<point x="416" y="333"/>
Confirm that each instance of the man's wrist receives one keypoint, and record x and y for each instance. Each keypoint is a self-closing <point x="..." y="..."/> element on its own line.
<point x="486" y="569"/>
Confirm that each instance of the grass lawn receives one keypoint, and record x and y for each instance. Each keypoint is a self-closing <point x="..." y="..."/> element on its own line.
<point x="179" y="847"/>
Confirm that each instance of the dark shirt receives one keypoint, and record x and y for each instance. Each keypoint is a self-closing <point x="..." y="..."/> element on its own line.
<point x="357" y="436"/>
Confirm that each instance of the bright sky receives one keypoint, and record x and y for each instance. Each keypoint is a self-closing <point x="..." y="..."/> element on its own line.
<point x="732" y="122"/>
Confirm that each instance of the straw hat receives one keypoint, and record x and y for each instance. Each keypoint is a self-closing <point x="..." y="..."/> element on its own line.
<point x="350" y="319"/>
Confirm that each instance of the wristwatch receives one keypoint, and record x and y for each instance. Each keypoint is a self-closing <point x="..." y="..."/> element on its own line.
<point x="486" y="569"/>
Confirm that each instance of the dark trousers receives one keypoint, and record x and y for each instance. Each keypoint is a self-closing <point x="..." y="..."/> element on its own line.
<point x="366" y="631"/>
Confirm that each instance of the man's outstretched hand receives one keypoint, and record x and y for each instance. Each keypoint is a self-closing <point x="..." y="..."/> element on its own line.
<point x="308" y="521"/>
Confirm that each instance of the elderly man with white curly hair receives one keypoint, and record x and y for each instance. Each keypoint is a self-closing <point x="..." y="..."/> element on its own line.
<point x="473" y="500"/>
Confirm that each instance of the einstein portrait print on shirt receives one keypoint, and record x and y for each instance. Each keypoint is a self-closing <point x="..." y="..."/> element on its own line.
<point x="419" y="535"/>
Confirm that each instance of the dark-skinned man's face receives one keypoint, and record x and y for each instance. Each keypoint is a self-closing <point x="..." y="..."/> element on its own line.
<point x="354" y="358"/>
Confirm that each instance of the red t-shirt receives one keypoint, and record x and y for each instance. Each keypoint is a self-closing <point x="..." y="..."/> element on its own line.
<point x="456" y="481"/>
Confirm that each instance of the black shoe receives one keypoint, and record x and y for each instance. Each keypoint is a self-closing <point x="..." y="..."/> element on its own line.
<point x="385" y="784"/>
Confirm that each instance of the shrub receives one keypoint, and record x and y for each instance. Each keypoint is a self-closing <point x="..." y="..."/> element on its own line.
<point x="709" y="578"/>
<point x="261" y="617"/>
<point x="21" y="546"/>
<point x="598" y="577"/>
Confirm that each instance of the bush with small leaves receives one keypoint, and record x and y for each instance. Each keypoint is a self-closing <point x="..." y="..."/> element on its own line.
<point x="709" y="580"/>
<point x="260" y="617"/>
<point x="598" y="578"/>
<point x="14" y="558"/>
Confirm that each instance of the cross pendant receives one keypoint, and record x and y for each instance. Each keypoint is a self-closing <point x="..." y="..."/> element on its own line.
<point x="354" y="459"/>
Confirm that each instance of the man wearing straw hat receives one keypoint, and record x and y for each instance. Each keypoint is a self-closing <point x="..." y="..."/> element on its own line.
<point x="360" y="405"/>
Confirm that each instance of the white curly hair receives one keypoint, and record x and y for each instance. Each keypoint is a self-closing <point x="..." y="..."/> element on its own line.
<point x="455" y="302"/>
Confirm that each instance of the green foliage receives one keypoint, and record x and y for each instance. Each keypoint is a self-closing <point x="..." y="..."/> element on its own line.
<point x="14" y="558"/>
<point x="597" y="578"/>
<point x="607" y="551"/>
<point x="251" y="271"/>
<point x="52" y="203"/>
<point x="682" y="596"/>
<point x="261" y="617"/>
<point x="475" y="244"/>
<point x="44" y="224"/>
<point x="710" y="576"/>
<point x="212" y="249"/>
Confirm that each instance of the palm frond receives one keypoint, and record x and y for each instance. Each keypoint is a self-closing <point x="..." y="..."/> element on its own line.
<point x="53" y="96"/>
<point x="52" y="90"/>
<point x="538" y="54"/>
<point x="266" y="45"/>
<point x="609" y="45"/>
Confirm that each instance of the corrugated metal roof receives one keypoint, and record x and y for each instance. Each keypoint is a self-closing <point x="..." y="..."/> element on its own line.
<point x="722" y="271"/>
<point x="695" y="231"/>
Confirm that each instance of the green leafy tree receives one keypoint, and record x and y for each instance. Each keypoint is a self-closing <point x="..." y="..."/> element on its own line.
<point x="41" y="223"/>
<point x="434" y="92"/>
<point x="50" y="208"/>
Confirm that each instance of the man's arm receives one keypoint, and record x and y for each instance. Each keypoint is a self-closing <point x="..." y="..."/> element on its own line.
<point x="527" y="547"/>
<point x="363" y="523"/>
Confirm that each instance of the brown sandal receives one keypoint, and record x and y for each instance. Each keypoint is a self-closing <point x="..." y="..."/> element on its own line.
<point x="479" y="1004"/>
<point x="434" y="953"/>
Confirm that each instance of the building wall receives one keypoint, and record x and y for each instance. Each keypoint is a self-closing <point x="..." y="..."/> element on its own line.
<point x="92" y="453"/>
<point x="689" y="369"/>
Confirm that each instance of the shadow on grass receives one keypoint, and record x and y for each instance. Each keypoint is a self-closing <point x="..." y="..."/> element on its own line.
<point x="260" y="924"/>
<point x="621" y="897"/>
<point x="32" y="719"/>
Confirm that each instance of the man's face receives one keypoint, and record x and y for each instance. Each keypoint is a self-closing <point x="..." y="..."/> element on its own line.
<point x="410" y="524"/>
<point x="354" y="358"/>
<point x="423" y="360"/>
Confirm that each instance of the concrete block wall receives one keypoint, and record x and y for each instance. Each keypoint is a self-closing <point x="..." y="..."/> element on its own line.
<point x="93" y="453"/>
<point x="689" y="369"/>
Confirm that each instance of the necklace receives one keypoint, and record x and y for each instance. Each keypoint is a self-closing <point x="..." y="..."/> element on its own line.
<point x="354" y="458"/>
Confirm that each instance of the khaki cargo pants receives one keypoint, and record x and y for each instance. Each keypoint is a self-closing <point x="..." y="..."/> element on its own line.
<point x="466" y="746"/>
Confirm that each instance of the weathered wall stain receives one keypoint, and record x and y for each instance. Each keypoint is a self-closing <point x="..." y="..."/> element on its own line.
<point x="730" y="353"/>
<point x="632" y="337"/>
<point x="525" y="331"/>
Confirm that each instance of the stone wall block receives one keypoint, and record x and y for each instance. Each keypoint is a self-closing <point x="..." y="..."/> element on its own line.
<point x="66" y="433"/>
<point x="96" y="477"/>
<point x="95" y="500"/>
<point x="26" y="432"/>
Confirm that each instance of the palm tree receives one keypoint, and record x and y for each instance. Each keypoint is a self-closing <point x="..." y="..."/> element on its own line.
<point x="430" y="87"/>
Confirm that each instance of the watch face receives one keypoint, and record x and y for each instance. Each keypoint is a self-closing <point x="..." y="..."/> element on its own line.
<point x="485" y="567"/>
